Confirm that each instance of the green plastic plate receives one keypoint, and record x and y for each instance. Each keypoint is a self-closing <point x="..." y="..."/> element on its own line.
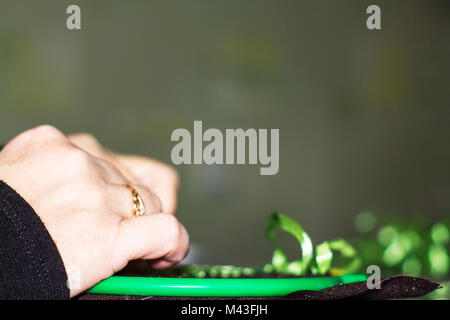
<point x="218" y="287"/>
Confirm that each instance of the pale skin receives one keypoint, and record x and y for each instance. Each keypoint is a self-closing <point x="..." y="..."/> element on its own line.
<point x="75" y="186"/>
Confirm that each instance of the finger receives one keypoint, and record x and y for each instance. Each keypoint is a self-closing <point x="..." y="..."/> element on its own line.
<point x="159" y="177"/>
<point x="160" y="264"/>
<point x="88" y="143"/>
<point x="110" y="173"/>
<point x="165" y="183"/>
<point x="122" y="199"/>
<point x="156" y="236"/>
<point x="167" y="192"/>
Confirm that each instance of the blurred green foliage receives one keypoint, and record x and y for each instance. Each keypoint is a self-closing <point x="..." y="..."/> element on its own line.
<point x="404" y="245"/>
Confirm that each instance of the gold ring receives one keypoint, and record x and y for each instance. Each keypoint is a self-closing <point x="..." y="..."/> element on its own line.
<point x="138" y="203"/>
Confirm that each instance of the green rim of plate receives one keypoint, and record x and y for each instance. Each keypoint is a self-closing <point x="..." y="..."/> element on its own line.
<point x="218" y="287"/>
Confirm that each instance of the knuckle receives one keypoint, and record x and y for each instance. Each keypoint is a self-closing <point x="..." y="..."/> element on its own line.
<point x="40" y="133"/>
<point x="172" y="176"/>
<point x="174" y="232"/>
<point x="85" y="137"/>
<point x="77" y="160"/>
<point x="46" y="131"/>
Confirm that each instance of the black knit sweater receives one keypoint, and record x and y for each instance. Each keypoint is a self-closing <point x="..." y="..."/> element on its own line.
<point x="30" y="264"/>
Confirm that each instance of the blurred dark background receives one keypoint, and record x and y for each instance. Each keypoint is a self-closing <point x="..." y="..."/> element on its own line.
<point x="364" y="116"/>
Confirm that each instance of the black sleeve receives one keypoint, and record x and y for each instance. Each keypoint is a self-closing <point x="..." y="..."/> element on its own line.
<point x="30" y="264"/>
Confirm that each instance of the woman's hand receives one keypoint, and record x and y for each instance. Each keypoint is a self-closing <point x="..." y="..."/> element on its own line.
<point x="154" y="175"/>
<point x="81" y="199"/>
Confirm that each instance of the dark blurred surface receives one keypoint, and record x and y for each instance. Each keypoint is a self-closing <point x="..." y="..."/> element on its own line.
<point x="363" y="115"/>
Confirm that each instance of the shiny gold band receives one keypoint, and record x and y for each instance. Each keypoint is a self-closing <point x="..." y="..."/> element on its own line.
<point x="138" y="203"/>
